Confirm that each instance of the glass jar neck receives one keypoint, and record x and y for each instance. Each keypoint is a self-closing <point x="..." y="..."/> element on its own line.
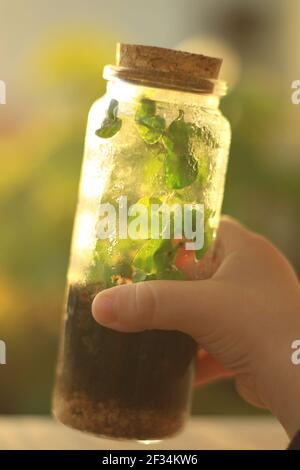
<point x="122" y="90"/>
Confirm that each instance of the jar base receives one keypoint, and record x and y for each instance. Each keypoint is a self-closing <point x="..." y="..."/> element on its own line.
<point x="112" y="421"/>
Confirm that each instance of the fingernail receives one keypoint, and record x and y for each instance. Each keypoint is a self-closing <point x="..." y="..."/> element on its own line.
<point x="102" y="309"/>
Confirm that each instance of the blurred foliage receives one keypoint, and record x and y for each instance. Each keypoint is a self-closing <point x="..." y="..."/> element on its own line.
<point x="262" y="186"/>
<point x="41" y="145"/>
<point x="41" y="150"/>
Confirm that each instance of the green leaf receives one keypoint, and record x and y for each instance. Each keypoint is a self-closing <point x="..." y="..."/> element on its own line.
<point x="151" y="128"/>
<point x="148" y="201"/>
<point x="111" y="123"/>
<point x="144" y="259"/>
<point x="140" y="276"/>
<point x="150" y="125"/>
<point x="146" y="108"/>
<point x="181" y="168"/>
<point x="164" y="256"/>
<point x="100" y="273"/>
<point x="177" y="135"/>
<point x="155" y="260"/>
<point x="122" y="268"/>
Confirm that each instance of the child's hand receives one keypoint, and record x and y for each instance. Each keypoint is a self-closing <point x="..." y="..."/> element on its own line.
<point x="246" y="317"/>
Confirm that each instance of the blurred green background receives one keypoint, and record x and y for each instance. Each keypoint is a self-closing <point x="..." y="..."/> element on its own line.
<point x="51" y="57"/>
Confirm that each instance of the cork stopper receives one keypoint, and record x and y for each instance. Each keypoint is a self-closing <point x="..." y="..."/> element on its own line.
<point x="160" y="67"/>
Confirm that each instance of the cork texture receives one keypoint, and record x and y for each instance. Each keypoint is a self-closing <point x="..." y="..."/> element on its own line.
<point x="154" y="61"/>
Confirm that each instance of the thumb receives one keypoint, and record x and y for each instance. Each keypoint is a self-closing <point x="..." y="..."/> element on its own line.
<point x="187" y="306"/>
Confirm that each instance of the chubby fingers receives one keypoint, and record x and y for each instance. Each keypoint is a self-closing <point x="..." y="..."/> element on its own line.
<point x="187" y="306"/>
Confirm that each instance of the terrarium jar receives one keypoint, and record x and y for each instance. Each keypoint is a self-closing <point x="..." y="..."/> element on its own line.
<point x="157" y="138"/>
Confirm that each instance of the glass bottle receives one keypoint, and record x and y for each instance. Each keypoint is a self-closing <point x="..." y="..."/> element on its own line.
<point x="157" y="139"/>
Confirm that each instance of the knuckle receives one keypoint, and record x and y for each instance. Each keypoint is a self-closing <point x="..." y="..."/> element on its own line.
<point x="228" y="223"/>
<point x="261" y="244"/>
<point x="268" y="254"/>
<point x="145" y="304"/>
